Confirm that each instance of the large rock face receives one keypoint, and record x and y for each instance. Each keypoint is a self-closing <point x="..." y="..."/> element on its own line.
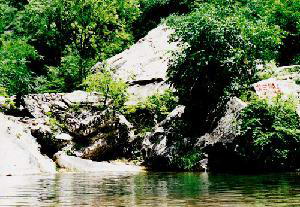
<point x="79" y="123"/>
<point x="160" y="148"/>
<point x="40" y="105"/>
<point x="157" y="149"/>
<point x="19" y="151"/>
<point x="78" y="112"/>
<point x="144" y="65"/>
<point x="219" y="145"/>
<point x="226" y="131"/>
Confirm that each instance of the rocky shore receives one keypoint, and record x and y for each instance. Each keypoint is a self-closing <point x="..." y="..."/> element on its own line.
<point x="80" y="132"/>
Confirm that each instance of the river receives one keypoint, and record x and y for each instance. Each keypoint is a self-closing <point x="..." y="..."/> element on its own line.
<point x="151" y="189"/>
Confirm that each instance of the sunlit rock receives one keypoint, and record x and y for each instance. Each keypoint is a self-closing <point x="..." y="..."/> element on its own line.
<point x="76" y="164"/>
<point x="144" y="65"/>
<point x="156" y="148"/>
<point x="19" y="151"/>
<point x="226" y="130"/>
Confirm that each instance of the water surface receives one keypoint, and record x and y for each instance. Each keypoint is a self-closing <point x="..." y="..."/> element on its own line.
<point x="151" y="189"/>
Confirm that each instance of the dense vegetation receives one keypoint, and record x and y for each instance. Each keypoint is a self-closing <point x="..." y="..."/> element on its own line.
<point x="223" y="42"/>
<point x="226" y="40"/>
<point x="51" y="46"/>
<point x="270" y="135"/>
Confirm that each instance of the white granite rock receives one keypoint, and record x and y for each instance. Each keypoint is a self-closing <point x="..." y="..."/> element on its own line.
<point x="144" y="65"/>
<point x="76" y="164"/>
<point x="19" y="151"/>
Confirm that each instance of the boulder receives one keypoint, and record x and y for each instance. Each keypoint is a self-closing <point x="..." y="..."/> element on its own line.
<point x="272" y="87"/>
<point x="160" y="148"/>
<point x="78" y="112"/>
<point x="76" y="164"/>
<point x="157" y="150"/>
<point x="85" y="122"/>
<point x="226" y="130"/>
<point x="97" y="150"/>
<point x="19" y="151"/>
<point x="41" y="105"/>
<point x="144" y="65"/>
<point x="79" y="124"/>
<point x="111" y="143"/>
<point x="82" y="97"/>
<point x="64" y="137"/>
<point x="219" y="145"/>
<point x="51" y="138"/>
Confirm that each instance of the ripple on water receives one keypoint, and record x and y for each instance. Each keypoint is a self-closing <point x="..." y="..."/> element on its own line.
<point x="150" y="189"/>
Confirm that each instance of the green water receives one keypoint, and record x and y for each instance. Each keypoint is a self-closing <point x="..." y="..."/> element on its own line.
<point x="151" y="189"/>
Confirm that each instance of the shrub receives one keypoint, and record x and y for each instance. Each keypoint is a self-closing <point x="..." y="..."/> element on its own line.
<point x="3" y="92"/>
<point x="270" y="135"/>
<point x="189" y="160"/>
<point x="184" y="154"/>
<point x="144" y="115"/>
<point x="296" y="60"/>
<point x="7" y="16"/>
<point x="96" y="28"/>
<point x="7" y="105"/>
<point x="111" y="89"/>
<point x="220" y="49"/>
<point x="287" y="15"/>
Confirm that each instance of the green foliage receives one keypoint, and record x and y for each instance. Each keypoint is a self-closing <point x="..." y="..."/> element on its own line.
<point x="296" y="60"/>
<point x="66" y="77"/>
<point x="69" y="35"/>
<point x="283" y="13"/>
<point x="270" y="134"/>
<point x="152" y="11"/>
<point x="111" y="89"/>
<point x="3" y="92"/>
<point x="54" y="123"/>
<point x="247" y="95"/>
<point x="8" y="106"/>
<point x="15" y="55"/>
<point x="161" y="104"/>
<point x="189" y="160"/>
<point x="95" y="28"/>
<point x="185" y="155"/>
<point x="7" y="15"/>
<point x="18" y="4"/>
<point x="222" y="47"/>
<point x="145" y="114"/>
<point x="287" y="16"/>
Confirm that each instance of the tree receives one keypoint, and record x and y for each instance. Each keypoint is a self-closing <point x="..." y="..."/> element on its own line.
<point x="220" y="49"/>
<point x="15" y="55"/>
<point x="77" y="31"/>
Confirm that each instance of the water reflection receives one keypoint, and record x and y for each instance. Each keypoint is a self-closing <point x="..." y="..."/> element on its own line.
<point x="150" y="189"/>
